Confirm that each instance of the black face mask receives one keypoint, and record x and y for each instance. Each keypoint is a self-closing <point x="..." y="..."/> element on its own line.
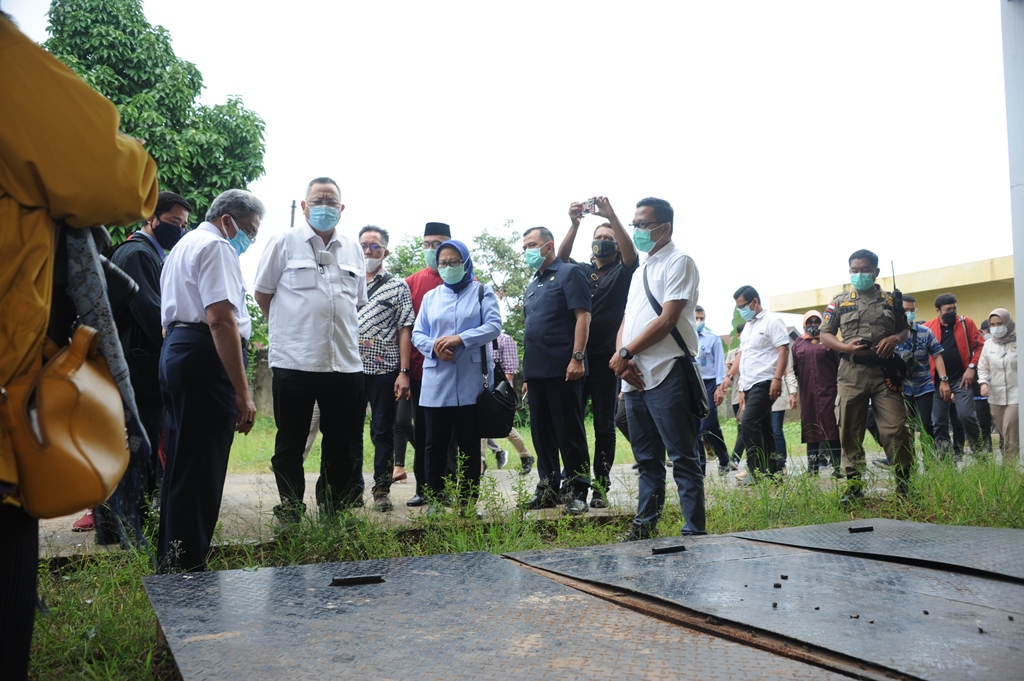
<point x="167" y="234"/>
<point x="948" y="318"/>
<point x="604" y="249"/>
<point x="812" y="330"/>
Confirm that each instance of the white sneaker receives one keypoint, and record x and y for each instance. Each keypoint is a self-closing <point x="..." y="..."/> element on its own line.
<point x="743" y="475"/>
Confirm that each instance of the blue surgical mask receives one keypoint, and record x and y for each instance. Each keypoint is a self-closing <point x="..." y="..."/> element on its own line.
<point x="861" y="281"/>
<point x="430" y="256"/>
<point x="700" y="326"/>
<point x="240" y="241"/>
<point x="642" y="240"/>
<point x="324" y="218"/>
<point x="747" y="313"/>
<point x="911" y="317"/>
<point x="533" y="258"/>
<point x="452" y="275"/>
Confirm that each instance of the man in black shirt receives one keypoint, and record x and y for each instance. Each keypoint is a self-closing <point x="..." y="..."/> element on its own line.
<point x="609" y="272"/>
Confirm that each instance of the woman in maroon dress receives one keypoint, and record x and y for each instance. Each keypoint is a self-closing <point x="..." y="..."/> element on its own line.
<point x="816" y="367"/>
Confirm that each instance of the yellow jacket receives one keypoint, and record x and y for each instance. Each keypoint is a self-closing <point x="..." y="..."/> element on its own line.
<point x="61" y="158"/>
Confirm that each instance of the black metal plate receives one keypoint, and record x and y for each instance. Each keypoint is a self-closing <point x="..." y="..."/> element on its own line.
<point x="998" y="551"/>
<point x="867" y="609"/>
<point x="463" y="616"/>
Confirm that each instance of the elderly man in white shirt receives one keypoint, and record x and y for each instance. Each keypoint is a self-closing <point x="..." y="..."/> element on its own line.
<point x="309" y="284"/>
<point x="653" y="365"/>
<point x="202" y="373"/>
<point x="762" y="361"/>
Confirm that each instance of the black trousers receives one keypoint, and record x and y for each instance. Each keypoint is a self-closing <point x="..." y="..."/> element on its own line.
<point x="201" y="417"/>
<point x="556" y="421"/>
<point x="379" y="393"/>
<point x="711" y="429"/>
<point x="601" y="387"/>
<point x="758" y="438"/>
<point x="406" y="431"/>
<point x="340" y="397"/>
<point x="19" y="567"/>
<point x="443" y="425"/>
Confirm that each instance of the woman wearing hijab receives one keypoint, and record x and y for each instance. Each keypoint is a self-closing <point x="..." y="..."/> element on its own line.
<point x="997" y="374"/>
<point x="453" y="324"/>
<point x="816" y="368"/>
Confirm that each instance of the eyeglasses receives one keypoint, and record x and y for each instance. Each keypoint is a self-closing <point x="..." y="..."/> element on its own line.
<point x="321" y="202"/>
<point x="449" y="263"/>
<point x="250" y="232"/>
<point x="432" y="245"/>
<point x="644" y="224"/>
<point x="372" y="248"/>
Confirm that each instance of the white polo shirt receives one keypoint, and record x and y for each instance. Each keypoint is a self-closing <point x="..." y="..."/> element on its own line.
<point x="313" y="315"/>
<point x="759" y="348"/>
<point x="202" y="269"/>
<point x="672" y="275"/>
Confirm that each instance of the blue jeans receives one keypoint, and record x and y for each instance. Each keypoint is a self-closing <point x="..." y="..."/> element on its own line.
<point x="660" y="419"/>
<point x="964" y="400"/>
<point x="778" y="418"/>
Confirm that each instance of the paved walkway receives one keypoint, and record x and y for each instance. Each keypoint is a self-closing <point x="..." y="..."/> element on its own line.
<point x="246" y="509"/>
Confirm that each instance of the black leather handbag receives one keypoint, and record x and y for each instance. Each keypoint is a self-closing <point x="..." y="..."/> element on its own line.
<point x="699" y="404"/>
<point x="496" y="405"/>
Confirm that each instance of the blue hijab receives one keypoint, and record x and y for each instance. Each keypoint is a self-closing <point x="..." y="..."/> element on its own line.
<point x="467" y="262"/>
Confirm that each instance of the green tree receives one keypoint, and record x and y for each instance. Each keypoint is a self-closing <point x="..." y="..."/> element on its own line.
<point x="200" y="150"/>
<point x="498" y="261"/>
<point x="406" y="257"/>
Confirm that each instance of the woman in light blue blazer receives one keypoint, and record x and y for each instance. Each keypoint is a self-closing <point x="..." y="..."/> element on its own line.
<point x="452" y="327"/>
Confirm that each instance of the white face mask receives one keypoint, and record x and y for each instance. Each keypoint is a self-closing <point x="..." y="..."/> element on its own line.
<point x="373" y="264"/>
<point x="997" y="331"/>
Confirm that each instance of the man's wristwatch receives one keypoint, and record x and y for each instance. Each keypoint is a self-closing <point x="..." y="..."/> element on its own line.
<point x="972" y="366"/>
<point x="403" y="371"/>
<point x="944" y="379"/>
<point x="578" y="356"/>
<point x="624" y="353"/>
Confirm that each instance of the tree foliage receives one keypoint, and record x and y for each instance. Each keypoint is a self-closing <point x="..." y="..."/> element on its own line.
<point x="200" y="150"/>
<point x="498" y="261"/>
<point x="406" y="257"/>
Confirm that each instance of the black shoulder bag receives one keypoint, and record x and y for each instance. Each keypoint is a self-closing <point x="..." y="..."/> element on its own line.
<point x="699" y="404"/>
<point x="496" y="405"/>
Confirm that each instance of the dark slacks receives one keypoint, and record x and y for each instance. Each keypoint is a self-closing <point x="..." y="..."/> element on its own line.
<point x="758" y="439"/>
<point x="379" y="393"/>
<point x="711" y="429"/>
<point x="601" y="387"/>
<point x="919" y="412"/>
<point x="442" y="425"/>
<point x="779" y="435"/>
<point x="19" y="567"/>
<point x="556" y="421"/>
<point x="963" y="398"/>
<point x="201" y="417"/>
<point x="405" y="432"/>
<point x="660" y="421"/>
<point x="340" y="396"/>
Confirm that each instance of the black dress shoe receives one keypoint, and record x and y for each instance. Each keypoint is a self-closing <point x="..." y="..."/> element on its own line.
<point x="416" y="501"/>
<point x="527" y="465"/>
<point x="541" y="500"/>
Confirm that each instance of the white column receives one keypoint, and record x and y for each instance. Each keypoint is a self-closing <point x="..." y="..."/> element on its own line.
<point x="1013" y="72"/>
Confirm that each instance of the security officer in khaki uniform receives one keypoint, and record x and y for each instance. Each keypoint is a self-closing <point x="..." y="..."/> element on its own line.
<point x="871" y="328"/>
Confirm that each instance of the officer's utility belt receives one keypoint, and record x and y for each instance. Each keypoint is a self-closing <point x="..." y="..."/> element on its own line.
<point x="863" y="361"/>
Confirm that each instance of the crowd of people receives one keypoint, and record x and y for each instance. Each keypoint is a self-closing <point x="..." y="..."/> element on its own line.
<point x="345" y="335"/>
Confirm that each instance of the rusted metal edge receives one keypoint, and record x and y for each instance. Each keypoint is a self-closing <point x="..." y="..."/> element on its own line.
<point x="736" y="632"/>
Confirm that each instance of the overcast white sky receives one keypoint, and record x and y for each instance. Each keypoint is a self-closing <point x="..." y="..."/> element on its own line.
<point x="786" y="134"/>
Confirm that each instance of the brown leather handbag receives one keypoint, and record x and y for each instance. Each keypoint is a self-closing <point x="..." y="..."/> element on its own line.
<point x="67" y="424"/>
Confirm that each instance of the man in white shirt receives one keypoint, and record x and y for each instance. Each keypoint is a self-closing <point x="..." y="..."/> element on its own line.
<point x="202" y="373"/>
<point x="761" y="363"/>
<point x="309" y="284"/>
<point x="653" y="366"/>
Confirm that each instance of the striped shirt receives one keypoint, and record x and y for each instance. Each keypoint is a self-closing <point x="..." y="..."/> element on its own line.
<point x="508" y="353"/>
<point x="389" y="309"/>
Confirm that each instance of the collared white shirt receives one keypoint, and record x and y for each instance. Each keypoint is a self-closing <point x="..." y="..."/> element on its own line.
<point x="202" y="269"/>
<point x="313" y="315"/>
<point x="672" y="275"/>
<point x="759" y="348"/>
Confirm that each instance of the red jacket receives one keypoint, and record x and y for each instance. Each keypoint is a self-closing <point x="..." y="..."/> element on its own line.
<point x="420" y="283"/>
<point x="968" y="339"/>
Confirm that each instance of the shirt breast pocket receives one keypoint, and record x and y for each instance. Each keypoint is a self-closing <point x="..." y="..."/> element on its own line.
<point x="301" y="274"/>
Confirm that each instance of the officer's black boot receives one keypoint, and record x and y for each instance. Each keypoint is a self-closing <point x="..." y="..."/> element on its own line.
<point x="854" y="491"/>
